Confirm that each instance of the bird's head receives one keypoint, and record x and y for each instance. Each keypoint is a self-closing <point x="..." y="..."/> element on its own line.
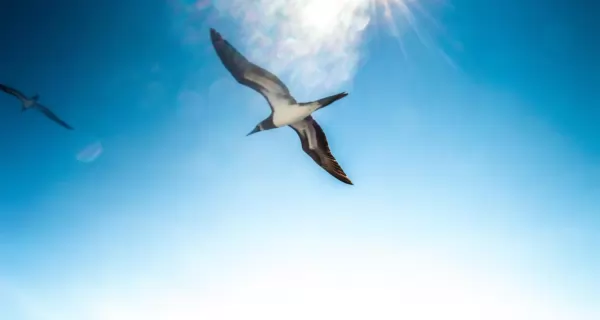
<point x="266" y="124"/>
<point x="255" y="130"/>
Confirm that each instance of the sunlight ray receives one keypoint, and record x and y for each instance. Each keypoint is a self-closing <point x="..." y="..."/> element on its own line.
<point x="315" y="44"/>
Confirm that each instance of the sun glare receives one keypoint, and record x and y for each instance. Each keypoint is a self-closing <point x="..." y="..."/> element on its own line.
<point x="316" y="44"/>
<point x="389" y="7"/>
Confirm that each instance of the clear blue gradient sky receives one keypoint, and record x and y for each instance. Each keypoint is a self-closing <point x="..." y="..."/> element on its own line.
<point x="475" y="158"/>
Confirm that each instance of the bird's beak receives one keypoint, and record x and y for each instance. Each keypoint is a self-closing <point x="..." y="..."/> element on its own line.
<point x="256" y="129"/>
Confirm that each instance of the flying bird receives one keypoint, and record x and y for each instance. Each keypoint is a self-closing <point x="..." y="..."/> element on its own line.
<point x="28" y="103"/>
<point x="285" y="110"/>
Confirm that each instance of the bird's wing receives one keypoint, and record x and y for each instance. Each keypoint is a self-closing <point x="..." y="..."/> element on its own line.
<point x="314" y="143"/>
<point x="249" y="74"/>
<point x="13" y="92"/>
<point x="52" y="116"/>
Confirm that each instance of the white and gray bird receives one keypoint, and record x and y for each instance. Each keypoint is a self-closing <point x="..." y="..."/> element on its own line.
<point x="28" y="103"/>
<point x="285" y="111"/>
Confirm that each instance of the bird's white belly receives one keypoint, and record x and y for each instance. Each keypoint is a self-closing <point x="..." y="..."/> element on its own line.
<point x="290" y="114"/>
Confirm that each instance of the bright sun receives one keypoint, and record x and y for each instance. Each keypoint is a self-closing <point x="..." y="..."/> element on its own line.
<point x="314" y="44"/>
<point x="323" y="15"/>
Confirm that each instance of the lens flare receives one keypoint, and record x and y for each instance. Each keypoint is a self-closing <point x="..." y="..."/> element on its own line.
<point x="315" y="45"/>
<point x="90" y="153"/>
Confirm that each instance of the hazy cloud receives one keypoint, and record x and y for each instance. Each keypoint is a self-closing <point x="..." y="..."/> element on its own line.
<point x="316" y="43"/>
<point x="273" y="283"/>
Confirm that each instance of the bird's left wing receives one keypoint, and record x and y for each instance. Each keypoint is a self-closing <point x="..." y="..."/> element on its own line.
<point x="52" y="116"/>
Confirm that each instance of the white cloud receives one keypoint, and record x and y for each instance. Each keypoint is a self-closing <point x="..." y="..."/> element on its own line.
<point x="316" y="43"/>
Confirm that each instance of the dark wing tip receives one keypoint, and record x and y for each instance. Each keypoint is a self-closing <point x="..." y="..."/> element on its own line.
<point x="340" y="175"/>
<point x="345" y="180"/>
<point x="333" y="167"/>
<point x="215" y="36"/>
<point x="62" y="123"/>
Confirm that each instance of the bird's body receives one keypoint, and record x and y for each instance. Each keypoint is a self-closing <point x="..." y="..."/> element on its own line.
<point x="29" y="103"/>
<point x="289" y="114"/>
<point x="285" y="110"/>
<point x="32" y="103"/>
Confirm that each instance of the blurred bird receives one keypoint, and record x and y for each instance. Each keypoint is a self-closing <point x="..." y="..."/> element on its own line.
<point x="28" y="103"/>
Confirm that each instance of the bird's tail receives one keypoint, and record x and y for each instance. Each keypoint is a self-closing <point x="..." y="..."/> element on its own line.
<point x="324" y="102"/>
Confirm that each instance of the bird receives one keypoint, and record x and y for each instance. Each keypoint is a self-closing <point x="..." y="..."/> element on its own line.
<point x="29" y="103"/>
<point x="285" y="110"/>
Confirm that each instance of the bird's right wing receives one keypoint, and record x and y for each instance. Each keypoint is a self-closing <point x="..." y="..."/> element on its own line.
<point x="314" y="143"/>
<point x="13" y="92"/>
<point x="249" y="74"/>
<point x="52" y="116"/>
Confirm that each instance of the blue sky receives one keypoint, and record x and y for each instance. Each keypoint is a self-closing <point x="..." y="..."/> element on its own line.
<point x="473" y="145"/>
